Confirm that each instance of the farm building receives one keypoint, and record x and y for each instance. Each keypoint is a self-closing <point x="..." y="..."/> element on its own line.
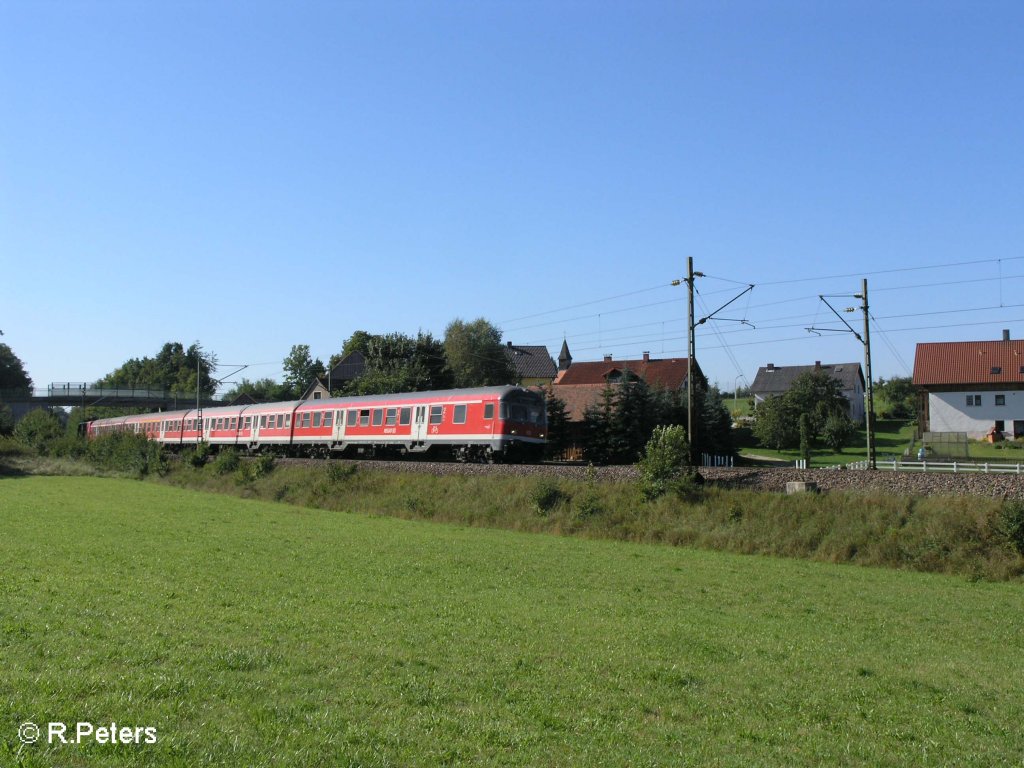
<point x="974" y="387"/>
<point x="579" y="385"/>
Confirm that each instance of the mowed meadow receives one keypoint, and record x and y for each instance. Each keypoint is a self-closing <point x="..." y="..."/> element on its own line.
<point x="260" y="634"/>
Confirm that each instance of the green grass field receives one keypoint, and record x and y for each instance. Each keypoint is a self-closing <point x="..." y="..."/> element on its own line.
<point x="258" y="634"/>
<point x="892" y="438"/>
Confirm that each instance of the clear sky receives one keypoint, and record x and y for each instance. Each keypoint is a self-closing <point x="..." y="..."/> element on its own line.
<point x="254" y="175"/>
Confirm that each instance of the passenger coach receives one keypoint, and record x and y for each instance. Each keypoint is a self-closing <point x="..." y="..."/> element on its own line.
<point x="482" y="424"/>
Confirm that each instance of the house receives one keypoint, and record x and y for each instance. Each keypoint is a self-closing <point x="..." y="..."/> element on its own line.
<point x="317" y="390"/>
<point x="774" y="380"/>
<point x="974" y="387"/>
<point x="533" y="366"/>
<point x="349" y="368"/>
<point x="580" y="385"/>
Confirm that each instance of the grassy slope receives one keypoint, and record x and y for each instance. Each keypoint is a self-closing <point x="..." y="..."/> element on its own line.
<point x="252" y="633"/>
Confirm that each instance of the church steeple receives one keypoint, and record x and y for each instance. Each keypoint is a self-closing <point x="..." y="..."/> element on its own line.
<point x="564" y="358"/>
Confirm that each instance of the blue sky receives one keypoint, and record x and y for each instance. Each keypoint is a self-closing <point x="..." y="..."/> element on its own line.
<point x="255" y="175"/>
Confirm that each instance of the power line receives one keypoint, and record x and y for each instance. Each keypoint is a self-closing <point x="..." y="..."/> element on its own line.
<point x="585" y="304"/>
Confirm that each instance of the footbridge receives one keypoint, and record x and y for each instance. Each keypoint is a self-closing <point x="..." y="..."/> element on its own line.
<point x="82" y="394"/>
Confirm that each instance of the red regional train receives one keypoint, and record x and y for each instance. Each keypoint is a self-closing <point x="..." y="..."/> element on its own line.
<point x="481" y="424"/>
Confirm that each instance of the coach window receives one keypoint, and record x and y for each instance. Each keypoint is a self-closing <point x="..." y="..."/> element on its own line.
<point x="317" y="418"/>
<point x="263" y="422"/>
<point x="391" y="418"/>
<point x="489" y="411"/>
<point x="287" y="420"/>
<point x="436" y="414"/>
<point x="234" y="423"/>
<point x="328" y="418"/>
<point x="364" y="417"/>
<point x="378" y="416"/>
<point x="405" y="416"/>
<point x="459" y="416"/>
<point x="305" y="420"/>
<point x="352" y="417"/>
<point x="248" y="422"/>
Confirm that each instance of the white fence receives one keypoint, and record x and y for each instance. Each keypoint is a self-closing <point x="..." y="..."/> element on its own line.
<point x="708" y="460"/>
<point x="956" y="467"/>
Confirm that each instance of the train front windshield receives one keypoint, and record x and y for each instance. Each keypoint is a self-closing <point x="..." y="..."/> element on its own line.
<point x="524" y="408"/>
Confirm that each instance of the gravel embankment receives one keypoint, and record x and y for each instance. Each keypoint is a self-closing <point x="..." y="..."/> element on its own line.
<point x="756" y="478"/>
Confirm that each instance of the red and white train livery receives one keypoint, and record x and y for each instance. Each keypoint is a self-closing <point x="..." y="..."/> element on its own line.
<point x="472" y="424"/>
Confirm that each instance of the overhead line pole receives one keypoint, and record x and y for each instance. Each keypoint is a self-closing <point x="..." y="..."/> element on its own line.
<point x="691" y="355"/>
<point x="869" y="394"/>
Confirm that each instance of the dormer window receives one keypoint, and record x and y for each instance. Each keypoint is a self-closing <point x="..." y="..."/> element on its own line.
<point x="995" y="370"/>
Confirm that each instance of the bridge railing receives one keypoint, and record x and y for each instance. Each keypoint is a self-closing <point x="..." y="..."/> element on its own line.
<point x="78" y="389"/>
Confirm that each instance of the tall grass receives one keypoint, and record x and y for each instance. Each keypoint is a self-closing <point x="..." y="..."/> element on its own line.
<point x="957" y="535"/>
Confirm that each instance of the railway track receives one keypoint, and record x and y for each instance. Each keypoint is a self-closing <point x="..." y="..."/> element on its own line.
<point x="771" y="479"/>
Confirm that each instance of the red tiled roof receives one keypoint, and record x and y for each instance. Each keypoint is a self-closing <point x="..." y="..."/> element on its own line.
<point x="670" y="374"/>
<point x="577" y="398"/>
<point x="969" y="362"/>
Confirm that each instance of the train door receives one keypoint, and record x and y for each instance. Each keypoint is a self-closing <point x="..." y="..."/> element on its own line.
<point x="339" y="426"/>
<point x="419" y="423"/>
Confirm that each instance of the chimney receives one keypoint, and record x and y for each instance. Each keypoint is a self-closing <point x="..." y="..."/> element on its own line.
<point x="817" y="365"/>
<point x="607" y="358"/>
<point x="770" y="366"/>
<point x="1006" y="334"/>
<point x="647" y="357"/>
<point x="509" y="344"/>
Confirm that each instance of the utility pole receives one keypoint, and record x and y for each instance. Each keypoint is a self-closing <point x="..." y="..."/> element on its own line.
<point x="869" y="397"/>
<point x="691" y="355"/>
<point x="869" y="393"/>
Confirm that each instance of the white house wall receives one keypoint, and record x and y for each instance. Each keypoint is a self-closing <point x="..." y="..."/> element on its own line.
<point x="949" y="412"/>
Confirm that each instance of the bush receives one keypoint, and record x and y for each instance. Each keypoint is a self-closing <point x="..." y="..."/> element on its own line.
<point x="197" y="456"/>
<point x="127" y="452"/>
<point x="546" y="495"/>
<point x="37" y="429"/>
<point x="1010" y="524"/>
<point x="254" y="469"/>
<point x="339" y="473"/>
<point x="665" y="461"/>
<point x="227" y="461"/>
<point x="68" y="446"/>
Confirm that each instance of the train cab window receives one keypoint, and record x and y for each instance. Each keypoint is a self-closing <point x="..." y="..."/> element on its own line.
<point x="535" y="415"/>
<point x="352" y="418"/>
<point x="489" y="411"/>
<point x="317" y="418"/>
<point x="364" y="417"/>
<point x="378" y="416"/>
<point x="405" y="416"/>
<point x="329" y="418"/>
<point x="503" y="411"/>
<point x="263" y="422"/>
<point x="305" y="420"/>
<point x="436" y="414"/>
<point x="391" y="418"/>
<point x="459" y="415"/>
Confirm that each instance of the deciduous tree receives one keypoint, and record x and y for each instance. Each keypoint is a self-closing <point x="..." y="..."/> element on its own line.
<point x="476" y="355"/>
